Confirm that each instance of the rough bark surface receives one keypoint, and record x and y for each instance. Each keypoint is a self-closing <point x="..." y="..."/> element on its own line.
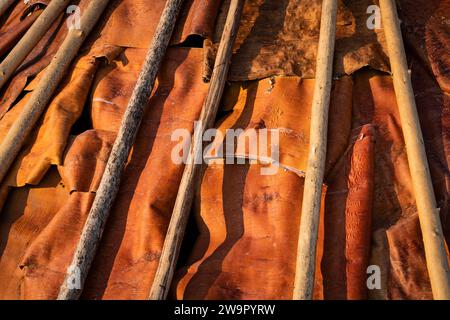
<point x="109" y="185"/>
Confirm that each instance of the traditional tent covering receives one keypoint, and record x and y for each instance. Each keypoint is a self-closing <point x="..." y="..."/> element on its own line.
<point x="241" y="242"/>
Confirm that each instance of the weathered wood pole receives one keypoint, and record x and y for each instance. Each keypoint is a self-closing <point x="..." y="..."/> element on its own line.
<point x="430" y="223"/>
<point x="191" y="174"/>
<point x="41" y="96"/>
<point x="109" y="185"/>
<point x="21" y="50"/>
<point x="307" y="240"/>
<point x="5" y="5"/>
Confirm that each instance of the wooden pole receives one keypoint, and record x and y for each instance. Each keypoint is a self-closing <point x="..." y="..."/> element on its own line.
<point x="430" y="223"/>
<point x="18" y="54"/>
<point x="109" y="185"/>
<point x="5" y="5"/>
<point x="307" y="241"/>
<point x="40" y="97"/>
<point x="191" y="174"/>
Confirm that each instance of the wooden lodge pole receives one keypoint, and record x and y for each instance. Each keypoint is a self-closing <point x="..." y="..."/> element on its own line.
<point x="40" y="96"/>
<point x="430" y="223"/>
<point x="308" y="233"/>
<point x="191" y="174"/>
<point x="109" y="185"/>
<point x="31" y="38"/>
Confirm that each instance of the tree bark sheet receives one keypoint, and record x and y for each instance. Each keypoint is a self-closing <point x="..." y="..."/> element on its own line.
<point x="242" y="237"/>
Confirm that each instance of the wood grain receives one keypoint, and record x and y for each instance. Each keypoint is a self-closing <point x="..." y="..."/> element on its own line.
<point x="41" y="96"/>
<point x="27" y="43"/>
<point x="309" y="224"/>
<point x="109" y="185"/>
<point x="430" y="223"/>
<point x="191" y="174"/>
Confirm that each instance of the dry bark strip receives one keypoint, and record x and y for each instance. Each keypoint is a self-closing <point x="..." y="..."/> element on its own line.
<point x="109" y="185"/>
<point x="41" y="96"/>
<point x="307" y="241"/>
<point x="192" y="171"/>
<point x="18" y="54"/>
<point x="5" y="5"/>
<point x="430" y="223"/>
